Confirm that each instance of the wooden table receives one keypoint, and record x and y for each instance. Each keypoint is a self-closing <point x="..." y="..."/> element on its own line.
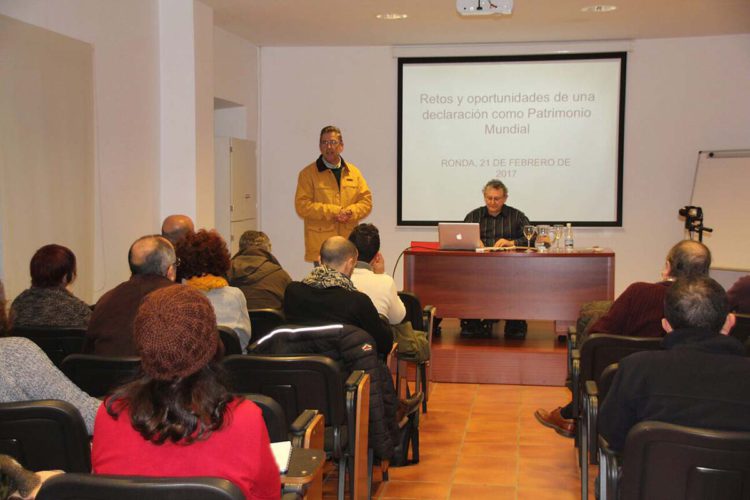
<point x="508" y="284"/>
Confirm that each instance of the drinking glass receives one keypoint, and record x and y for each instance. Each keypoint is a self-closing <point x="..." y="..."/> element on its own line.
<point x="528" y="233"/>
<point x="554" y="236"/>
<point x="560" y="231"/>
<point x="542" y="238"/>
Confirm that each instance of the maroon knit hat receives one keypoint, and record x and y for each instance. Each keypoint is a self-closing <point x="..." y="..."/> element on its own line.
<point x="175" y="332"/>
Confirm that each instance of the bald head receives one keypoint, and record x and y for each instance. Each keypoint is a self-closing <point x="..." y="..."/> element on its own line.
<point x="688" y="259"/>
<point x="175" y="227"/>
<point x="152" y="254"/>
<point x="338" y="253"/>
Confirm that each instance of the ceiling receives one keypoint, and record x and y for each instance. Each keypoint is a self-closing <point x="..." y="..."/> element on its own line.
<point x="353" y="22"/>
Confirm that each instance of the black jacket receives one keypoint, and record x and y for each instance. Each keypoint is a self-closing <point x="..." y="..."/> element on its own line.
<point x="304" y="304"/>
<point x="701" y="379"/>
<point x="354" y="348"/>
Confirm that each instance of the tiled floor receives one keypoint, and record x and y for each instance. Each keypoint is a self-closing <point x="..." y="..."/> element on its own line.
<point x="483" y="442"/>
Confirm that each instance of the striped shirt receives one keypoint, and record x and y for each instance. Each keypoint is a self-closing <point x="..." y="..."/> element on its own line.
<point x="507" y="224"/>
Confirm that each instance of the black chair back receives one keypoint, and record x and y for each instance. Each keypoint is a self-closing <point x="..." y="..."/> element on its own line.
<point x="231" y="341"/>
<point x="273" y="416"/>
<point x="56" y="342"/>
<point x="741" y="330"/>
<point x="100" y="375"/>
<point x="95" y="487"/>
<point x="264" y="321"/>
<point x="45" y="435"/>
<point x="414" y="313"/>
<point x="600" y="350"/>
<point x="664" y="460"/>
<point x="295" y="382"/>
<point x="605" y="380"/>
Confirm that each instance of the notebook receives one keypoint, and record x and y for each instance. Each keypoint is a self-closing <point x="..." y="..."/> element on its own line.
<point x="459" y="235"/>
<point x="282" y="452"/>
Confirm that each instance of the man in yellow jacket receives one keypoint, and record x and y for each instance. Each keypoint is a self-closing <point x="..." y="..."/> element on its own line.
<point x="332" y="196"/>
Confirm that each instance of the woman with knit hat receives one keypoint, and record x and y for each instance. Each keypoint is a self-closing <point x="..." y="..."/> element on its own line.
<point x="204" y="262"/>
<point x="179" y="419"/>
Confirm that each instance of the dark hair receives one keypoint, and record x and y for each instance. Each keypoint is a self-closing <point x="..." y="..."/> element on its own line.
<point x="495" y="184"/>
<point x="50" y="265"/>
<point x="689" y="259"/>
<point x="332" y="129"/>
<point x="183" y="410"/>
<point x="3" y="317"/>
<point x="204" y="252"/>
<point x="698" y="302"/>
<point x="367" y="240"/>
<point x="160" y="256"/>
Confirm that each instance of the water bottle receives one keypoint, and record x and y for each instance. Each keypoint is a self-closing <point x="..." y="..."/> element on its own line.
<point x="569" y="237"/>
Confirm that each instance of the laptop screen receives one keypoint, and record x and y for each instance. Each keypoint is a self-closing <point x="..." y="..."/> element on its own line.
<point x="459" y="235"/>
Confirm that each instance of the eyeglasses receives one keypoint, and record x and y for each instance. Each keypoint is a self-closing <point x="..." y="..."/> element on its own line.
<point x="330" y="143"/>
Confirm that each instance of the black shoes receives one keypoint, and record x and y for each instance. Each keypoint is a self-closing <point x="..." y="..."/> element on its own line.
<point x="515" y="329"/>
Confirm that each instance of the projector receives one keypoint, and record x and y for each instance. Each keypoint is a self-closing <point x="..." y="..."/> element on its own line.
<point x="484" y="7"/>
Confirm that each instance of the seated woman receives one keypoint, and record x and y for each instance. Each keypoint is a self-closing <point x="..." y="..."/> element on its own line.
<point x="179" y="419"/>
<point x="29" y="375"/>
<point x="203" y="264"/>
<point x="49" y="302"/>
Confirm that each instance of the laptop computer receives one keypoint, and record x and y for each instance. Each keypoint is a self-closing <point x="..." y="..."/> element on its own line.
<point x="459" y="236"/>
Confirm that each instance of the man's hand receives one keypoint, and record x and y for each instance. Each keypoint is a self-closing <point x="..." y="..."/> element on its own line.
<point x="378" y="264"/>
<point x="502" y="242"/>
<point x="343" y="216"/>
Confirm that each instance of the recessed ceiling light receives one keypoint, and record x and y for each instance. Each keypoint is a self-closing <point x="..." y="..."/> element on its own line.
<point x="599" y="8"/>
<point x="391" y="16"/>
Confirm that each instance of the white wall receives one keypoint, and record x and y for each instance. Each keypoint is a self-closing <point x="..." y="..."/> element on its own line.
<point x="683" y="95"/>
<point x="126" y="104"/>
<point x="236" y="79"/>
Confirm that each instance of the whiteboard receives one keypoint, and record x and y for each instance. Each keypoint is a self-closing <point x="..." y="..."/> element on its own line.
<point x="722" y="189"/>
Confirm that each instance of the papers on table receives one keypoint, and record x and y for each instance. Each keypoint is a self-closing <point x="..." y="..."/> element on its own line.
<point x="282" y="451"/>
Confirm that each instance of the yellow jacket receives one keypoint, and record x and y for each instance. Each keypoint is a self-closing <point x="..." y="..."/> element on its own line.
<point x="318" y="200"/>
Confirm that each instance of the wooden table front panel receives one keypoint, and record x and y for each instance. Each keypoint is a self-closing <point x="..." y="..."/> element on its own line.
<point x="509" y="285"/>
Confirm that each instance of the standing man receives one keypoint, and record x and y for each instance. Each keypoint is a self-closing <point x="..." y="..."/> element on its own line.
<point x="500" y="225"/>
<point x="332" y="196"/>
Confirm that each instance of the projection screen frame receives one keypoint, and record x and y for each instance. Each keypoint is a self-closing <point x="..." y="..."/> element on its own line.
<point x="621" y="55"/>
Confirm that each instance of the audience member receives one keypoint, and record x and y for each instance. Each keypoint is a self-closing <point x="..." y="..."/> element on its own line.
<point x="739" y="295"/>
<point x="3" y="317"/>
<point x="175" y="227"/>
<point x="179" y="418"/>
<point x="204" y="262"/>
<point x="29" y="375"/>
<point x="257" y="273"/>
<point x="638" y="312"/>
<point x="369" y="274"/>
<point x="153" y="265"/>
<point x="49" y="302"/>
<point x="699" y="380"/>
<point x="328" y="295"/>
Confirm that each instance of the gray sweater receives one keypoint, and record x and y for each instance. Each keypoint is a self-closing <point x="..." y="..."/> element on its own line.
<point x="27" y="374"/>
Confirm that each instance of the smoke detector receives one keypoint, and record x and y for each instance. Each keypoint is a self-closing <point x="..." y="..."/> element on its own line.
<point x="484" y="7"/>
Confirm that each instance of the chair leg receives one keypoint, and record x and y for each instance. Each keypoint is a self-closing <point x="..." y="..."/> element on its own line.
<point x="342" y="478"/>
<point x="422" y="372"/>
<point x="415" y="441"/>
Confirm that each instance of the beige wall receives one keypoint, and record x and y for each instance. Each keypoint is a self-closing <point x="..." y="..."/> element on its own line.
<point x="683" y="95"/>
<point x="46" y="150"/>
<point x="126" y="117"/>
